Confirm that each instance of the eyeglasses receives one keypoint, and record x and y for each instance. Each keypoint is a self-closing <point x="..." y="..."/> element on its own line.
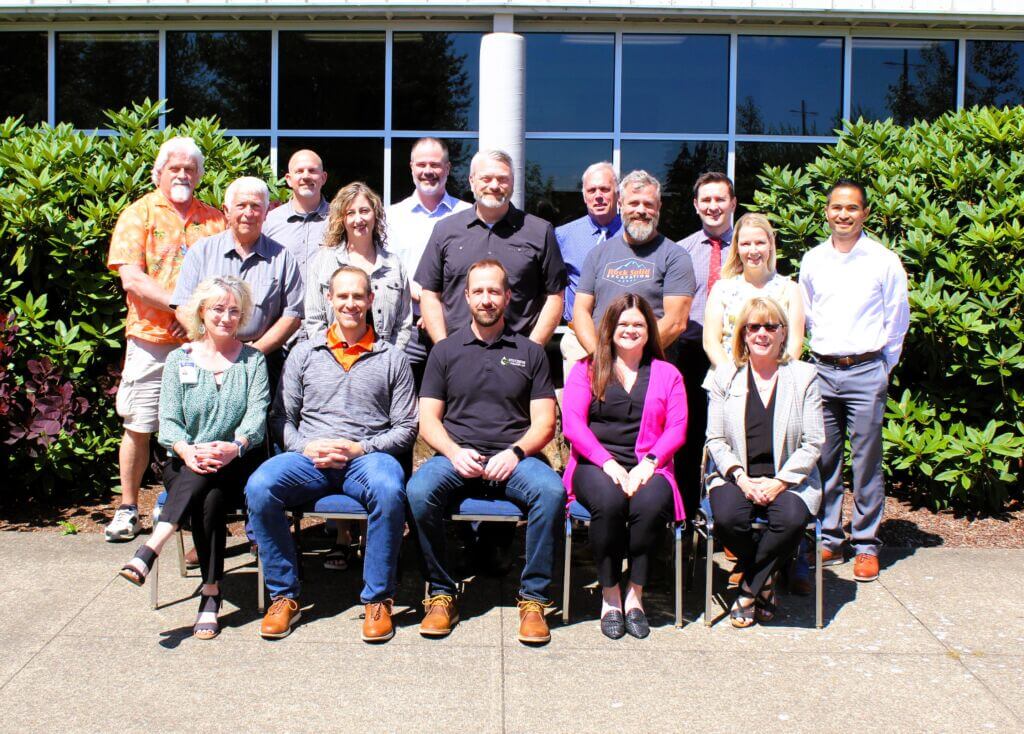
<point x="220" y="312"/>
<point x="770" y="328"/>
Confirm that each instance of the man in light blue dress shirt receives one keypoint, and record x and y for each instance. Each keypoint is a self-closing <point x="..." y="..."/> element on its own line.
<point x="577" y="238"/>
<point x="410" y="222"/>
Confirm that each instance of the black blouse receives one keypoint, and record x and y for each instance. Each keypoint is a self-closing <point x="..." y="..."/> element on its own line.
<point x="760" y="418"/>
<point x="616" y="421"/>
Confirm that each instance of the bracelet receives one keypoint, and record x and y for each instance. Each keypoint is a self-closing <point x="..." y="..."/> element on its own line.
<point x="241" y="447"/>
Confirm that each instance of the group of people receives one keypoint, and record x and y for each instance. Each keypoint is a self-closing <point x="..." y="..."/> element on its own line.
<point x="362" y="327"/>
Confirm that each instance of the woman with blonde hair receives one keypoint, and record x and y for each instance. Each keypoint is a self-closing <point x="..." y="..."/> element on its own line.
<point x="356" y="235"/>
<point x="765" y="433"/>
<point x="749" y="271"/>
<point x="213" y="409"/>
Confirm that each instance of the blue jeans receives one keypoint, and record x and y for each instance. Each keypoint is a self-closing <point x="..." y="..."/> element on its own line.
<point x="290" y="480"/>
<point x="533" y="485"/>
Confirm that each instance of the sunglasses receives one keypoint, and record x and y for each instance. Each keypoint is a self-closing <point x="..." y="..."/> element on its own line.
<point x="770" y="328"/>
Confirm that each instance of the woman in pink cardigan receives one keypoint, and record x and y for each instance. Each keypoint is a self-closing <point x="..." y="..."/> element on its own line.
<point x="624" y="414"/>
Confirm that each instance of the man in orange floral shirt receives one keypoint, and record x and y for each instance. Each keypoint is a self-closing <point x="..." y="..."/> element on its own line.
<point x="146" y="250"/>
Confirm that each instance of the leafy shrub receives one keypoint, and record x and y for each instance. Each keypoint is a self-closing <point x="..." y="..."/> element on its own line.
<point x="948" y="197"/>
<point x="60" y="194"/>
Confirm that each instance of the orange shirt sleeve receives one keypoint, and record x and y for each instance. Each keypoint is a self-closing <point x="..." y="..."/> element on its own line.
<point x="128" y="242"/>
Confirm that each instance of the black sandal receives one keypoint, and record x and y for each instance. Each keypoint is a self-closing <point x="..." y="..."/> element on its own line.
<point x="148" y="557"/>
<point x="766" y="603"/>
<point x="208" y="630"/>
<point x="337" y="557"/>
<point x="742" y="615"/>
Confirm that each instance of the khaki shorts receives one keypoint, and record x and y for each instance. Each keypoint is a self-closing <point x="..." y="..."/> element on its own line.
<point x="138" y="396"/>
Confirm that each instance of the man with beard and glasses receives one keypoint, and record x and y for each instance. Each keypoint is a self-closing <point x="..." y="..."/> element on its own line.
<point x="525" y="245"/>
<point x="410" y="223"/>
<point x="487" y="406"/>
<point x="146" y="250"/>
<point x="639" y="260"/>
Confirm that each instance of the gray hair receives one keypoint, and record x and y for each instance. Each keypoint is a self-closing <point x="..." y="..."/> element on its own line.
<point x="492" y="154"/>
<point x="247" y="185"/>
<point x="639" y="179"/>
<point x="177" y="145"/>
<point x="600" y="166"/>
<point x="212" y="288"/>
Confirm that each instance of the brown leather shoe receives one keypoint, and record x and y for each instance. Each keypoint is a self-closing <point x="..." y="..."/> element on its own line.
<point x="735" y="578"/>
<point x="192" y="559"/>
<point x="533" y="628"/>
<point x="828" y="557"/>
<point x="441" y="615"/>
<point x="377" y="625"/>
<point x="729" y="555"/>
<point x="865" y="567"/>
<point x="278" y="620"/>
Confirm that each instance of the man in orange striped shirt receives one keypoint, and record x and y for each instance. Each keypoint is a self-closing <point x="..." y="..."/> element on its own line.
<point x="146" y="249"/>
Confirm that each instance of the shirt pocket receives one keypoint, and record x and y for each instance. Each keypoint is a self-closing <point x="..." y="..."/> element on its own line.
<point x="266" y="303"/>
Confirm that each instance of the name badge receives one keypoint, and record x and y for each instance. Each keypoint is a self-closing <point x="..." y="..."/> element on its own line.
<point x="187" y="373"/>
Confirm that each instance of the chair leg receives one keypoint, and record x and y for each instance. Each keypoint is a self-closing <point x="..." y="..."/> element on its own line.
<point x="181" y="553"/>
<point x="261" y="591"/>
<point x="709" y="570"/>
<point x="154" y="580"/>
<point x="680" y="575"/>
<point x="567" y="572"/>
<point x="818" y="585"/>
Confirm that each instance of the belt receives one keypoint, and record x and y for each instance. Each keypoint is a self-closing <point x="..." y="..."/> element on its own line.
<point x="847" y="360"/>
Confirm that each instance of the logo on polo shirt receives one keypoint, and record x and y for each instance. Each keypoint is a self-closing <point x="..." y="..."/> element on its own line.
<point x="506" y="361"/>
<point x="629" y="271"/>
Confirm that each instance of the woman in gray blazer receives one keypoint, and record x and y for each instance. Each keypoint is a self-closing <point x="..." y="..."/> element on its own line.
<point x="765" y="432"/>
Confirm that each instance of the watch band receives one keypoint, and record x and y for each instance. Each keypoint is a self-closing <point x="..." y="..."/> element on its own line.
<point x="241" y="447"/>
<point x="518" y="451"/>
<point x="653" y="458"/>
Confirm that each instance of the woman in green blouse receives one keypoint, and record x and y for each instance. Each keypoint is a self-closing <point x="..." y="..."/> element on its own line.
<point x="213" y="409"/>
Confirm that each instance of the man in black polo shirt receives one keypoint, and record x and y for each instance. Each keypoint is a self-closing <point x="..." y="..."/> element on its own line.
<point x="524" y="244"/>
<point x="487" y="406"/>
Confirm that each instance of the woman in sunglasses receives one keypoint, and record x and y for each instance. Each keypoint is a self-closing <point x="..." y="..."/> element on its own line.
<point x="765" y="432"/>
<point x="749" y="271"/>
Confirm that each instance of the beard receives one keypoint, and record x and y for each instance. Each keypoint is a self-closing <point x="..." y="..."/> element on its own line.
<point x="428" y="187"/>
<point x="641" y="230"/>
<point x="491" y="201"/>
<point x="181" y="192"/>
<point x="487" y="318"/>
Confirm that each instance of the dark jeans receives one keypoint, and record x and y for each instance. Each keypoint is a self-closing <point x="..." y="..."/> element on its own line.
<point x="692" y="362"/>
<point x="533" y="486"/>
<point x="204" y="500"/>
<point x="621" y="524"/>
<point x="787" y="517"/>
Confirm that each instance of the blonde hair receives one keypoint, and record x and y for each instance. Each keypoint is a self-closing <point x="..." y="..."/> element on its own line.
<point x="733" y="265"/>
<point x="210" y="289"/>
<point x="758" y="307"/>
<point x="336" y="235"/>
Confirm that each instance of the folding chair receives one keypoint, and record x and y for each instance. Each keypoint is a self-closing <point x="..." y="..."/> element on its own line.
<point x="578" y="516"/>
<point x="153" y="578"/>
<point x="704" y="526"/>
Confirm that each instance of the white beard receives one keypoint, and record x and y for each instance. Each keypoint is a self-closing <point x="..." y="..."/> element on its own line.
<point x="640" y="230"/>
<point x="492" y="202"/>
<point x="181" y="193"/>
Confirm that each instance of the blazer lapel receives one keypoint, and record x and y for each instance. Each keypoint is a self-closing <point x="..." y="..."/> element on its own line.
<point x="780" y="424"/>
<point x="738" y="408"/>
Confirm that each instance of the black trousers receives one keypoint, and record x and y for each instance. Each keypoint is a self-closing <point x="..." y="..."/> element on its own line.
<point x="692" y="362"/>
<point x="621" y="524"/>
<point x="787" y="517"/>
<point x="204" y="500"/>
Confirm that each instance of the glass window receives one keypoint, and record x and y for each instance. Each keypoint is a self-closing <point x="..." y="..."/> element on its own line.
<point x="221" y="74"/>
<point x="569" y="82"/>
<point x="903" y="79"/>
<point x="995" y="73"/>
<point x="676" y="165"/>
<point x="23" y="69"/>
<point x="459" y="153"/>
<point x="751" y="159"/>
<point x="345" y="160"/>
<point x="331" y="81"/>
<point x="675" y="84"/>
<point x="102" y="71"/>
<point x="789" y="85"/>
<point x="553" y="170"/>
<point x="436" y="81"/>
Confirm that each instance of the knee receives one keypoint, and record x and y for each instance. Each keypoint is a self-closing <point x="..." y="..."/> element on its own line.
<point x="548" y="491"/>
<point x="258" y="495"/>
<point x="387" y="485"/>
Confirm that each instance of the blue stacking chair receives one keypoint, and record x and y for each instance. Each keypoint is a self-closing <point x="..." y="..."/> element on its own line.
<point x="153" y="579"/>
<point x="578" y="516"/>
<point x="704" y="526"/>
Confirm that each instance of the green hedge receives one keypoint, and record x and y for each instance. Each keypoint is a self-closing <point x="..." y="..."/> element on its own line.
<point x="62" y="340"/>
<point x="948" y="197"/>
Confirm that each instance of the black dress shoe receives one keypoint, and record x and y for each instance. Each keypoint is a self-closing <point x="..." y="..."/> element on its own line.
<point x="613" y="626"/>
<point x="636" y="624"/>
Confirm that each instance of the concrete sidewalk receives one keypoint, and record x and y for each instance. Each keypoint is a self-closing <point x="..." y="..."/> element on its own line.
<point x="937" y="644"/>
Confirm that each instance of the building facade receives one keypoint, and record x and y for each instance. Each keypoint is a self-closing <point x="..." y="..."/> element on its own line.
<point x="675" y="87"/>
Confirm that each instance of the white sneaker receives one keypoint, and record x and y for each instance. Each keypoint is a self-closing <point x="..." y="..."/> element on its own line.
<point x="124" y="526"/>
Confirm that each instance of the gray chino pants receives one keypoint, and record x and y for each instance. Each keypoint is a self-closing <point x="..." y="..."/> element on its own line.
<point x="853" y="401"/>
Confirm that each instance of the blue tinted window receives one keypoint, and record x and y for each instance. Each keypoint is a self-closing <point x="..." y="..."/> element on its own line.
<point x="436" y="81"/>
<point x="553" y="171"/>
<point x="675" y="84"/>
<point x="995" y="73"/>
<point x="789" y="85"/>
<point x="23" y="69"/>
<point x="751" y="159"/>
<point x="676" y="165"/>
<point x="345" y="160"/>
<point x="569" y="82"/>
<point x="903" y="79"/>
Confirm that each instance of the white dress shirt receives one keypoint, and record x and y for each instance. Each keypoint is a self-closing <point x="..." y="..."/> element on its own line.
<point x="409" y="225"/>
<point x="855" y="302"/>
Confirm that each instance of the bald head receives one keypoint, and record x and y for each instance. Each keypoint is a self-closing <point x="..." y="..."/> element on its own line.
<point x="305" y="177"/>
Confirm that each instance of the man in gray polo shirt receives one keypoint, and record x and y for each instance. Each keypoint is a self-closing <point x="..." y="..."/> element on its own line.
<point x="299" y="223"/>
<point x="244" y="251"/>
<point x="638" y="260"/>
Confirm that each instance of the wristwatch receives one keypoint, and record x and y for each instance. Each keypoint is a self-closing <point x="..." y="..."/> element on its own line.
<point x="520" y="454"/>
<point x="653" y="458"/>
<point x="241" y="447"/>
